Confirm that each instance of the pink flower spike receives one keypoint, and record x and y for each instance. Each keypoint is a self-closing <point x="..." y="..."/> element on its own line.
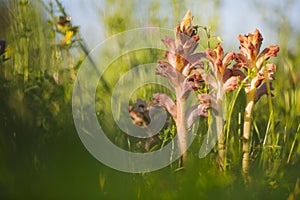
<point x="250" y="44"/>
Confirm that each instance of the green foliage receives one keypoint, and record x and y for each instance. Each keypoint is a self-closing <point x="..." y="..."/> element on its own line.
<point x="41" y="155"/>
<point x="35" y="98"/>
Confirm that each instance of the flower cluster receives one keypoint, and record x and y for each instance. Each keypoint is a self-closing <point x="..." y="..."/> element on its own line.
<point x="221" y="72"/>
<point x="65" y="27"/>
<point x="252" y="61"/>
<point x="181" y="67"/>
<point x="249" y="66"/>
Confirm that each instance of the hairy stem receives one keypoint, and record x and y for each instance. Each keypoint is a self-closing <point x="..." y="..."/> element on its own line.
<point x="219" y="125"/>
<point x="181" y="124"/>
<point x="221" y="141"/>
<point x="246" y="130"/>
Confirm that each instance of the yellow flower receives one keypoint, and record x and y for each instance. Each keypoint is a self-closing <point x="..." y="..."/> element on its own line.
<point x="68" y="38"/>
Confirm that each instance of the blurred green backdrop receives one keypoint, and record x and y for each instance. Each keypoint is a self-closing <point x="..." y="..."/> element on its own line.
<point x="41" y="155"/>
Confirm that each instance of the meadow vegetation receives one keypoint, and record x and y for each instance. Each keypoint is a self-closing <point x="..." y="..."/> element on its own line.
<point x="41" y="155"/>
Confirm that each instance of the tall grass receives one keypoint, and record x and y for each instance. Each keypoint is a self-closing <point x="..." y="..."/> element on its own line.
<point x="39" y="147"/>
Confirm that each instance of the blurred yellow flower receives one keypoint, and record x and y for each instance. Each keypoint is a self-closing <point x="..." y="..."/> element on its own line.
<point x="68" y="38"/>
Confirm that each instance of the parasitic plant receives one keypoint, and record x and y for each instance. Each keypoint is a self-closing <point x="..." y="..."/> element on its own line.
<point x="259" y="75"/>
<point x="224" y="80"/>
<point x="188" y="71"/>
<point x="179" y="69"/>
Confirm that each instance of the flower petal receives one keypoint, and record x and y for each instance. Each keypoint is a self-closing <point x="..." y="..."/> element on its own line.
<point x="186" y="26"/>
<point x="231" y="84"/>
<point x="169" y="43"/>
<point x="266" y="54"/>
<point x="165" y="101"/>
<point x="190" y="45"/>
<point x="191" y="82"/>
<point x="205" y="99"/>
<point x="227" y="59"/>
<point x="193" y="62"/>
<point x="194" y="113"/>
<point x="171" y="57"/>
<point x="211" y="55"/>
<point x="262" y="90"/>
<point x="242" y="61"/>
<point x="265" y="73"/>
<point x="250" y="44"/>
<point x="166" y="69"/>
<point x="219" y="51"/>
<point x="186" y="88"/>
<point x="233" y="72"/>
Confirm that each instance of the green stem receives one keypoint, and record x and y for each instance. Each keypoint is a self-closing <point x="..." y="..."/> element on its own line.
<point x="229" y="116"/>
<point x="26" y="44"/>
<point x="293" y="144"/>
<point x="271" y="119"/>
<point x="26" y="55"/>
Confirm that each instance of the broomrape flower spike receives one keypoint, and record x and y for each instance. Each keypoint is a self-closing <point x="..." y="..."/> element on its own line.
<point x="180" y="68"/>
<point x="253" y="61"/>
<point x="224" y="80"/>
<point x="227" y="79"/>
<point x="186" y="72"/>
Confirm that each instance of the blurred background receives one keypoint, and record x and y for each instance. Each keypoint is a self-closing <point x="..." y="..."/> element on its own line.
<point x="227" y="18"/>
<point x="43" y="44"/>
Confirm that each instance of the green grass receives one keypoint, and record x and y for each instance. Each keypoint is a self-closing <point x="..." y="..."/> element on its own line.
<point x="42" y="156"/>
